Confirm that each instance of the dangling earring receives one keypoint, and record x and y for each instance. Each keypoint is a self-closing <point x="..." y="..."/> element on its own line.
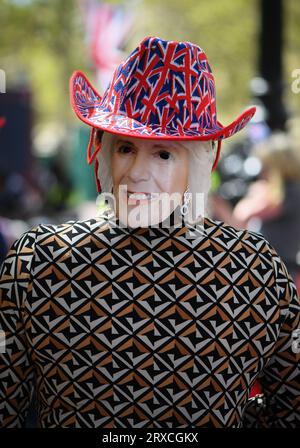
<point x="186" y="199"/>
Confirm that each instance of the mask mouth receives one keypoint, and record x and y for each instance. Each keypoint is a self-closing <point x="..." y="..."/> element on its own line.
<point x="141" y="197"/>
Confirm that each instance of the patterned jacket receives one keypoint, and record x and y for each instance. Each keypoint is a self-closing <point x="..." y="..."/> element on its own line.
<point x="122" y="327"/>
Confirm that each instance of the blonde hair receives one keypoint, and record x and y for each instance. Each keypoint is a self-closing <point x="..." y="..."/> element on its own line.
<point x="201" y="157"/>
<point x="280" y="157"/>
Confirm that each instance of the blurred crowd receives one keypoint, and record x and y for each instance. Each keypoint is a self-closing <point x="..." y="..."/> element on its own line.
<point x="40" y="196"/>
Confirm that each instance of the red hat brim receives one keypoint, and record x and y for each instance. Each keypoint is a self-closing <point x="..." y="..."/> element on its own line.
<point x="93" y="114"/>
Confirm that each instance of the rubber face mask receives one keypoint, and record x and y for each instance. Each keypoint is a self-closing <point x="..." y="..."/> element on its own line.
<point x="149" y="179"/>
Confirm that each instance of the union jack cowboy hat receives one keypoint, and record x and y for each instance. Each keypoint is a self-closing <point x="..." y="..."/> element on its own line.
<point x="163" y="90"/>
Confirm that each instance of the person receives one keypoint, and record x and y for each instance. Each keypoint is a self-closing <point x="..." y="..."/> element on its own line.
<point x="149" y="315"/>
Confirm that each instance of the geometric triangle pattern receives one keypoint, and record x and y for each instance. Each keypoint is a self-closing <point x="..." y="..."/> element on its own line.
<point x="145" y="328"/>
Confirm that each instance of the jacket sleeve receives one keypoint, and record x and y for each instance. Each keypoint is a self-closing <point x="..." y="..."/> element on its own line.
<point x="280" y="377"/>
<point x="16" y="369"/>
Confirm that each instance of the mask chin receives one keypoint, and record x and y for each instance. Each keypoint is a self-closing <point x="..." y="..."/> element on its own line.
<point x="157" y="213"/>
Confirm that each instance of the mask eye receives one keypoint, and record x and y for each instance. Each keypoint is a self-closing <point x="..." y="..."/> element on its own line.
<point x="124" y="149"/>
<point x="165" y="155"/>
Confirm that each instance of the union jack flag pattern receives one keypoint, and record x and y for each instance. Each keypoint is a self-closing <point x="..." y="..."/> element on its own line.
<point x="163" y="90"/>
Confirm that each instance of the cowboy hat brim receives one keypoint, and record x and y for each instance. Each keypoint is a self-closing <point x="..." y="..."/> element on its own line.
<point x="87" y="105"/>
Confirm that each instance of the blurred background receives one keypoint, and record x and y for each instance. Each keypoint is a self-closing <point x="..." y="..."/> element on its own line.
<point x="253" y="48"/>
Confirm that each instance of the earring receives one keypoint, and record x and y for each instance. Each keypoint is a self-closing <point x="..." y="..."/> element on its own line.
<point x="186" y="199"/>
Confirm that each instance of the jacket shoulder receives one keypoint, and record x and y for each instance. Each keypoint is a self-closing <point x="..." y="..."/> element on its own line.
<point x="257" y="255"/>
<point x="234" y="238"/>
<point x="71" y="228"/>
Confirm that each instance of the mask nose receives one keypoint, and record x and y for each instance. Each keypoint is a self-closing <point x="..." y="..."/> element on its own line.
<point x="138" y="171"/>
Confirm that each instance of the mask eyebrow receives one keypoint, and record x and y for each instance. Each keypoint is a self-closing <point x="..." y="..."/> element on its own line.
<point x="165" y="147"/>
<point x="125" y="142"/>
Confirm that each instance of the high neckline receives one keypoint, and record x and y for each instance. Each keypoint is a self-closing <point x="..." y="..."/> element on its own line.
<point x="168" y="224"/>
